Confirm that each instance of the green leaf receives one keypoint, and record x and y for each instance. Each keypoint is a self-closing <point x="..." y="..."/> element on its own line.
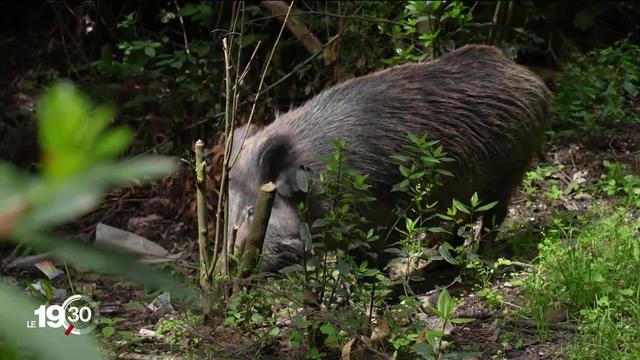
<point x="112" y="143"/>
<point x="446" y="303"/>
<point x="486" y="207"/>
<point x="424" y="350"/>
<point x="446" y="255"/>
<point x="60" y="113"/>
<point x="401" y="158"/>
<point x="630" y="88"/>
<point x="328" y="329"/>
<point x="257" y="319"/>
<point x="305" y="235"/>
<point x="344" y="268"/>
<point x="46" y="343"/>
<point x="60" y="203"/>
<point x="434" y="334"/>
<point x="626" y="292"/>
<point x="474" y="200"/>
<point x="460" y="206"/>
<point x="435" y="311"/>
<point x="401" y="185"/>
<point x="150" y="51"/>
<point x="107" y="331"/>
<point x="461" y="320"/>
<point x="320" y="223"/>
<point x="72" y="137"/>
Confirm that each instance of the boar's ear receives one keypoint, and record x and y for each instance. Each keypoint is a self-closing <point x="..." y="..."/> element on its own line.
<point x="278" y="163"/>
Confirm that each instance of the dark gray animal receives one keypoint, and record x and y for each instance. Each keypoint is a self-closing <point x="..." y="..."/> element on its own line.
<point x="488" y="113"/>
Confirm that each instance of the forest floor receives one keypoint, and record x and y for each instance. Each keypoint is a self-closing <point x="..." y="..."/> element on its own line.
<point x="163" y="212"/>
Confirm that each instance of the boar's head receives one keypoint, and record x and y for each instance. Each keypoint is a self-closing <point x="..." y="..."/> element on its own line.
<point x="266" y="157"/>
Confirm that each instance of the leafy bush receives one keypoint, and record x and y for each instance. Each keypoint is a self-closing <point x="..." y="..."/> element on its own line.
<point x="618" y="181"/>
<point x="597" y="91"/>
<point x="334" y="296"/>
<point x="428" y="30"/>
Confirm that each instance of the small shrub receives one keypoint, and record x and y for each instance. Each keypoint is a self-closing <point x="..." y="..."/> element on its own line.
<point x="619" y="182"/>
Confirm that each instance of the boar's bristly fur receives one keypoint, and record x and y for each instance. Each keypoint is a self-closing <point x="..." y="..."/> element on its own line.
<point x="488" y="113"/>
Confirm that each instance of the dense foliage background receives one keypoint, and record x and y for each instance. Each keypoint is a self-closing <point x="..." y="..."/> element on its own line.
<point x="161" y="63"/>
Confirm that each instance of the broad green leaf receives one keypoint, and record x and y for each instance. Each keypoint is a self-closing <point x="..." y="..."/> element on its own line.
<point x="446" y="255"/>
<point x="486" y="207"/>
<point x="434" y="334"/>
<point x="107" y="331"/>
<point x="328" y="329"/>
<point x="305" y="235"/>
<point x="424" y="350"/>
<point x="474" y="200"/>
<point x="444" y="172"/>
<point x="64" y="202"/>
<point x="112" y="143"/>
<point x="630" y="88"/>
<point x="150" y="51"/>
<point x="61" y="112"/>
<point x="460" y="206"/>
<point x="445" y="303"/>
<point x="320" y="223"/>
<point x="344" y="268"/>
<point x="46" y="343"/>
<point x="72" y="136"/>
<point x="401" y="185"/>
<point x="257" y="319"/>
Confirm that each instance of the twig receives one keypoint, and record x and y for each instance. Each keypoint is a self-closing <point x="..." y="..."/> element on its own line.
<point x="341" y="16"/>
<point x="201" y="208"/>
<point x="297" y="67"/>
<point x="263" y="91"/>
<point x="64" y="45"/>
<point x="229" y="114"/>
<point x="228" y="129"/>
<point x="246" y="68"/>
<point x="184" y="31"/>
<point x="264" y="73"/>
<point x="66" y="270"/>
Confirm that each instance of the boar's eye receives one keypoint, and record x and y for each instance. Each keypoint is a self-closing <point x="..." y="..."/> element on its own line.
<point x="250" y="211"/>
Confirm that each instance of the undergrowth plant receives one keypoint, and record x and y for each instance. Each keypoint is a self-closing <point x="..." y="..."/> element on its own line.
<point x="338" y="292"/>
<point x="619" y="181"/>
<point x="596" y="92"/>
<point x="428" y="30"/>
<point x="590" y="269"/>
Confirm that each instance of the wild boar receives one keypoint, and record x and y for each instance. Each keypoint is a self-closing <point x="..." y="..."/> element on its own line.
<point x="488" y="113"/>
